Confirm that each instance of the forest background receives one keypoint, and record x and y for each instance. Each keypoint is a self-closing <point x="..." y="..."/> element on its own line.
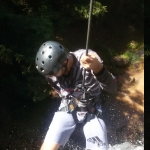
<point x="117" y="28"/>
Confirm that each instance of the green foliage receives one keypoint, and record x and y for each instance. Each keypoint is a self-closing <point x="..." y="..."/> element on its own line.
<point x="112" y="52"/>
<point x="30" y="29"/>
<point x="21" y="79"/>
<point x="130" y="55"/>
<point x="147" y="50"/>
<point x="25" y="25"/>
<point x="98" y="9"/>
<point x="38" y="87"/>
<point x="6" y="55"/>
<point x="19" y="57"/>
<point x="133" y="45"/>
<point x="23" y="34"/>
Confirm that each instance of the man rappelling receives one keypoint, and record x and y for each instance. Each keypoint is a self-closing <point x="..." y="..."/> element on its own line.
<point x="64" y="72"/>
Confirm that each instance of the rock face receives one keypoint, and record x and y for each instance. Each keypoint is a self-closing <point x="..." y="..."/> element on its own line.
<point x="120" y="61"/>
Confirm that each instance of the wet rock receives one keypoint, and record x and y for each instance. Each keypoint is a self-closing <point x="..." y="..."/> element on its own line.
<point x="120" y="61"/>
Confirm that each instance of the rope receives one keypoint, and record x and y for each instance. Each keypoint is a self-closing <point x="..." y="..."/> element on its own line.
<point x="89" y="25"/>
<point x="87" y="41"/>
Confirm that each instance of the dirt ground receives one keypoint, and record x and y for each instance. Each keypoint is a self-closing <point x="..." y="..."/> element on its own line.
<point x="124" y="113"/>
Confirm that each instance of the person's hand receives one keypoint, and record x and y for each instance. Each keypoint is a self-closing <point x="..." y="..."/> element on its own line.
<point x="91" y="62"/>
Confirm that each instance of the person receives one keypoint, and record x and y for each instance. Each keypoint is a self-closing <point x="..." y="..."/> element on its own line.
<point x="79" y="80"/>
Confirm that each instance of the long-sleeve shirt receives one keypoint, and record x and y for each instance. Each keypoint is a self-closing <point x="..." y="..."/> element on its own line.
<point x="66" y="84"/>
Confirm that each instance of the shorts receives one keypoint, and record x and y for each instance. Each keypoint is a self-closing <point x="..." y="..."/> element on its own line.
<point x="63" y="125"/>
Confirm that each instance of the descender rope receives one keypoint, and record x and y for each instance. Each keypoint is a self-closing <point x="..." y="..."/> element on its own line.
<point x="87" y="42"/>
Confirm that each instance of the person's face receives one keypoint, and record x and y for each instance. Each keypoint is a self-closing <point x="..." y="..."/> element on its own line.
<point x="62" y="70"/>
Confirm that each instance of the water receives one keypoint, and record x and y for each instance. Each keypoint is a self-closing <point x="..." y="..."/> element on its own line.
<point x="28" y="131"/>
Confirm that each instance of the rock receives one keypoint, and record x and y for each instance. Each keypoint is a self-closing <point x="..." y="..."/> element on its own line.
<point x="120" y="61"/>
<point x="131" y="79"/>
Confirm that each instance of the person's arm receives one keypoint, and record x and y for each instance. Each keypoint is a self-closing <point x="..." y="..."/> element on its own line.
<point x="106" y="79"/>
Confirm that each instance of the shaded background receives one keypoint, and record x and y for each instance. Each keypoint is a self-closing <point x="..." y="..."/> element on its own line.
<point x="26" y="107"/>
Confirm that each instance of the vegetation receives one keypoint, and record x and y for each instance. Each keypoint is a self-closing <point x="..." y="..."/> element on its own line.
<point x="25" y="25"/>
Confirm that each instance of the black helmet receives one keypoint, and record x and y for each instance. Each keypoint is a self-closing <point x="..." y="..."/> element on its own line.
<point x="50" y="57"/>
